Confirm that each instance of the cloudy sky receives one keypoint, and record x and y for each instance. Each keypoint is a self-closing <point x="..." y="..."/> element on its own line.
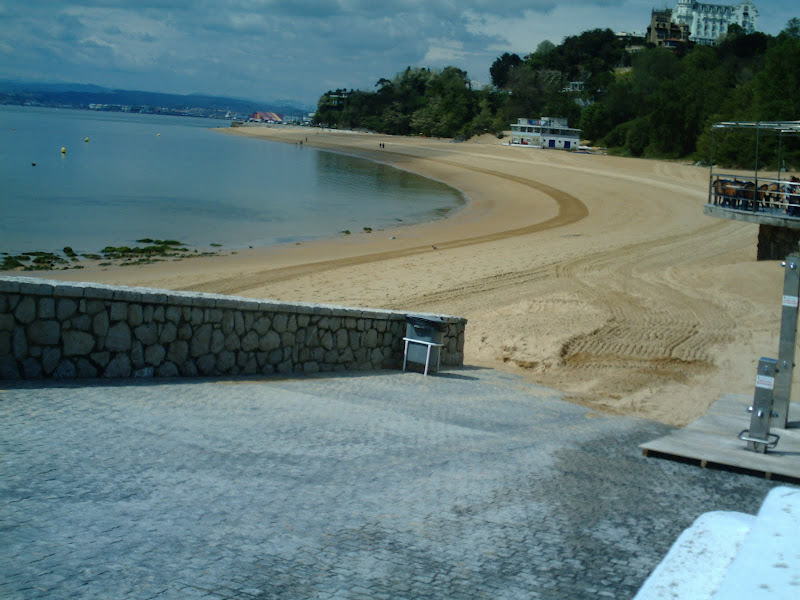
<point x="292" y="49"/>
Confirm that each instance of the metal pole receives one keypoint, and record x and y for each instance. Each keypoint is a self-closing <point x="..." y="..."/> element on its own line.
<point x="758" y="437"/>
<point x="755" y="191"/>
<point x="711" y="171"/>
<point x="786" y="345"/>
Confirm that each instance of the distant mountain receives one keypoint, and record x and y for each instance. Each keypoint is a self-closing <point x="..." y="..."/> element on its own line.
<point x="83" y="95"/>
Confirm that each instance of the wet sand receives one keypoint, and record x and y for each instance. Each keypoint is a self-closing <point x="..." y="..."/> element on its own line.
<point x="599" y="276"/>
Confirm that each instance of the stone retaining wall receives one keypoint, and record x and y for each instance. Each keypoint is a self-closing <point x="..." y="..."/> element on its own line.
<point x="63" y="330"/>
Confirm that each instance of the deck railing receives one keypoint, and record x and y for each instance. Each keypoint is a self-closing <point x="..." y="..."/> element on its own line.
<point x="755" y="194"/>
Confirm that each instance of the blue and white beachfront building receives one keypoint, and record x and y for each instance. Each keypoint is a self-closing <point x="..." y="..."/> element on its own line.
<point x="545" y="132"/>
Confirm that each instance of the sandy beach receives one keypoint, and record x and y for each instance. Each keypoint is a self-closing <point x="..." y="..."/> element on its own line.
<point x="596" y="275"/>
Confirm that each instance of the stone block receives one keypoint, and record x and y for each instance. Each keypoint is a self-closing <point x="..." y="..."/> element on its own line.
<point x="185" y="332"/>
<point x="201" y="342"/>
<point x="5" y="343"/>
<point x="65" y="370"/>
<point x="188" y="369"/>
<point x="270" y="341"/>
<point x="158" y="314"/>
<point x="6" y="322"/>
<point x="154" y="355"/>
<point x="93" y="307"/>
<point x="35" y="289"/>
<point x="303" y="320"/>
<point x="342" y="339"/>
<point x="279" y="322"/>
<point x="285" y="367"/>
<point x="98" y="292"/>
<point x="249" y="319"/>
<point x="261" y="325"/>
<point x="173" y="314"/>
<point x="238" y="323"/>
<point x="168" y="369"/>
<point x="84" y="369"/>
<point x="204" y="301"/>
<point x="135" y="315"/>
<point x="311" y="367"/>
<point x="81" y="323"/>
<point x="101" y="358"/>
<point x="34" y="351"/>
<point x="100" y="324"/>
<point x="232" y="342"/>
<point x="225" y="361"/>
<point x="19" y="344"/>
<point x="327" y="341"/>
<point x="26" y="310"/>
<point x="206" y="364"/>
<point x="147" y="313"/>
<point x="47" y="308"/>
<point x="9" y="286"/>
<point x="217" y="341"/>
<point x="212" y="315"/>
<point x="287" y="339"/>
<point x="119" y="311"/>
<point x="355" y="340"/>
<point x="275" y="357"/>
<point x="127" y="295"/>
<point x="119" y="338"/>
<point x="250" y="341"/>
<point x="44" y="333"/>
<point x="147" y="333"/>
<point x="370" y="339"/>
<point x="144" y="372"/>
<point x="317" y="354"/>
<point x="31" y="369"/>
<point x="178" y="352"/>
<point x="226" y="323"/>
<point x="119" y="366"/>
<point x="169" y="333"/>
<point x="66" y="308"/>
<point x="196" y="316"/>
<point x="68" y="291"/>
<point x="291" y="324"/>
<point x="3" y="303"/>
<point x="250" y="367"/>
<point x="8" y="368"/>
<point x="137" y="354"/>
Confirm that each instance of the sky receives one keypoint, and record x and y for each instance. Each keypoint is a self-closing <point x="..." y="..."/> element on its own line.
<point x="294" y="49"/>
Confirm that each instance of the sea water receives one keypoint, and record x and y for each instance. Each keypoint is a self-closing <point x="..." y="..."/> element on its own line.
<point x="163" y="177"/>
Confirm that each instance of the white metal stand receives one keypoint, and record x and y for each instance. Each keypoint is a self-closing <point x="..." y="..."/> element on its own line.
<point x="427" y="354"/>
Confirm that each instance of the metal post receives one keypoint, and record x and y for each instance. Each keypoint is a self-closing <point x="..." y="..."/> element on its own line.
<point x="758" y="138"/>
<point x="758" y="437"/>
<point x="786" y="345"/>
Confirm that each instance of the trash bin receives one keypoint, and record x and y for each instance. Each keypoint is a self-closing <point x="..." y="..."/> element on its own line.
<point x="424" y="329"/>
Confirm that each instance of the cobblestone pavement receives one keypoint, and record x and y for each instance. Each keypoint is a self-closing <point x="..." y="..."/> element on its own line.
<point x="471" y="484"/>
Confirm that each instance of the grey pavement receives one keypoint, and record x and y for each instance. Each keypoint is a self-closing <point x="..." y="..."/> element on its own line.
<point x="470" y="484"/>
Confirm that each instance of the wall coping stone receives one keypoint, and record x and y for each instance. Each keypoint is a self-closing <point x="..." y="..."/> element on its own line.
<point x="49" y="287"/>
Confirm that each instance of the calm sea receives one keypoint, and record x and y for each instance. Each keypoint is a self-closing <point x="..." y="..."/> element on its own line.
<point x="173" y="178"/>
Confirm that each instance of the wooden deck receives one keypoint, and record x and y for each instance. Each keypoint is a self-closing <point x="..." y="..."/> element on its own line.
<point x="711" y="442"/>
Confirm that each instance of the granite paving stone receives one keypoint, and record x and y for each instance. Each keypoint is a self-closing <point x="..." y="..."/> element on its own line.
<point x="468" y="484"/>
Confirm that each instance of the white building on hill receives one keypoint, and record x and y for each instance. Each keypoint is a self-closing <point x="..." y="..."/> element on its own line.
<point x="545" y="132"/>
<point x="707" y="22"/>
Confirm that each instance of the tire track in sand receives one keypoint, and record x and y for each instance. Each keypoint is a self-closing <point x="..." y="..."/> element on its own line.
<point x="570" y="210"/>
